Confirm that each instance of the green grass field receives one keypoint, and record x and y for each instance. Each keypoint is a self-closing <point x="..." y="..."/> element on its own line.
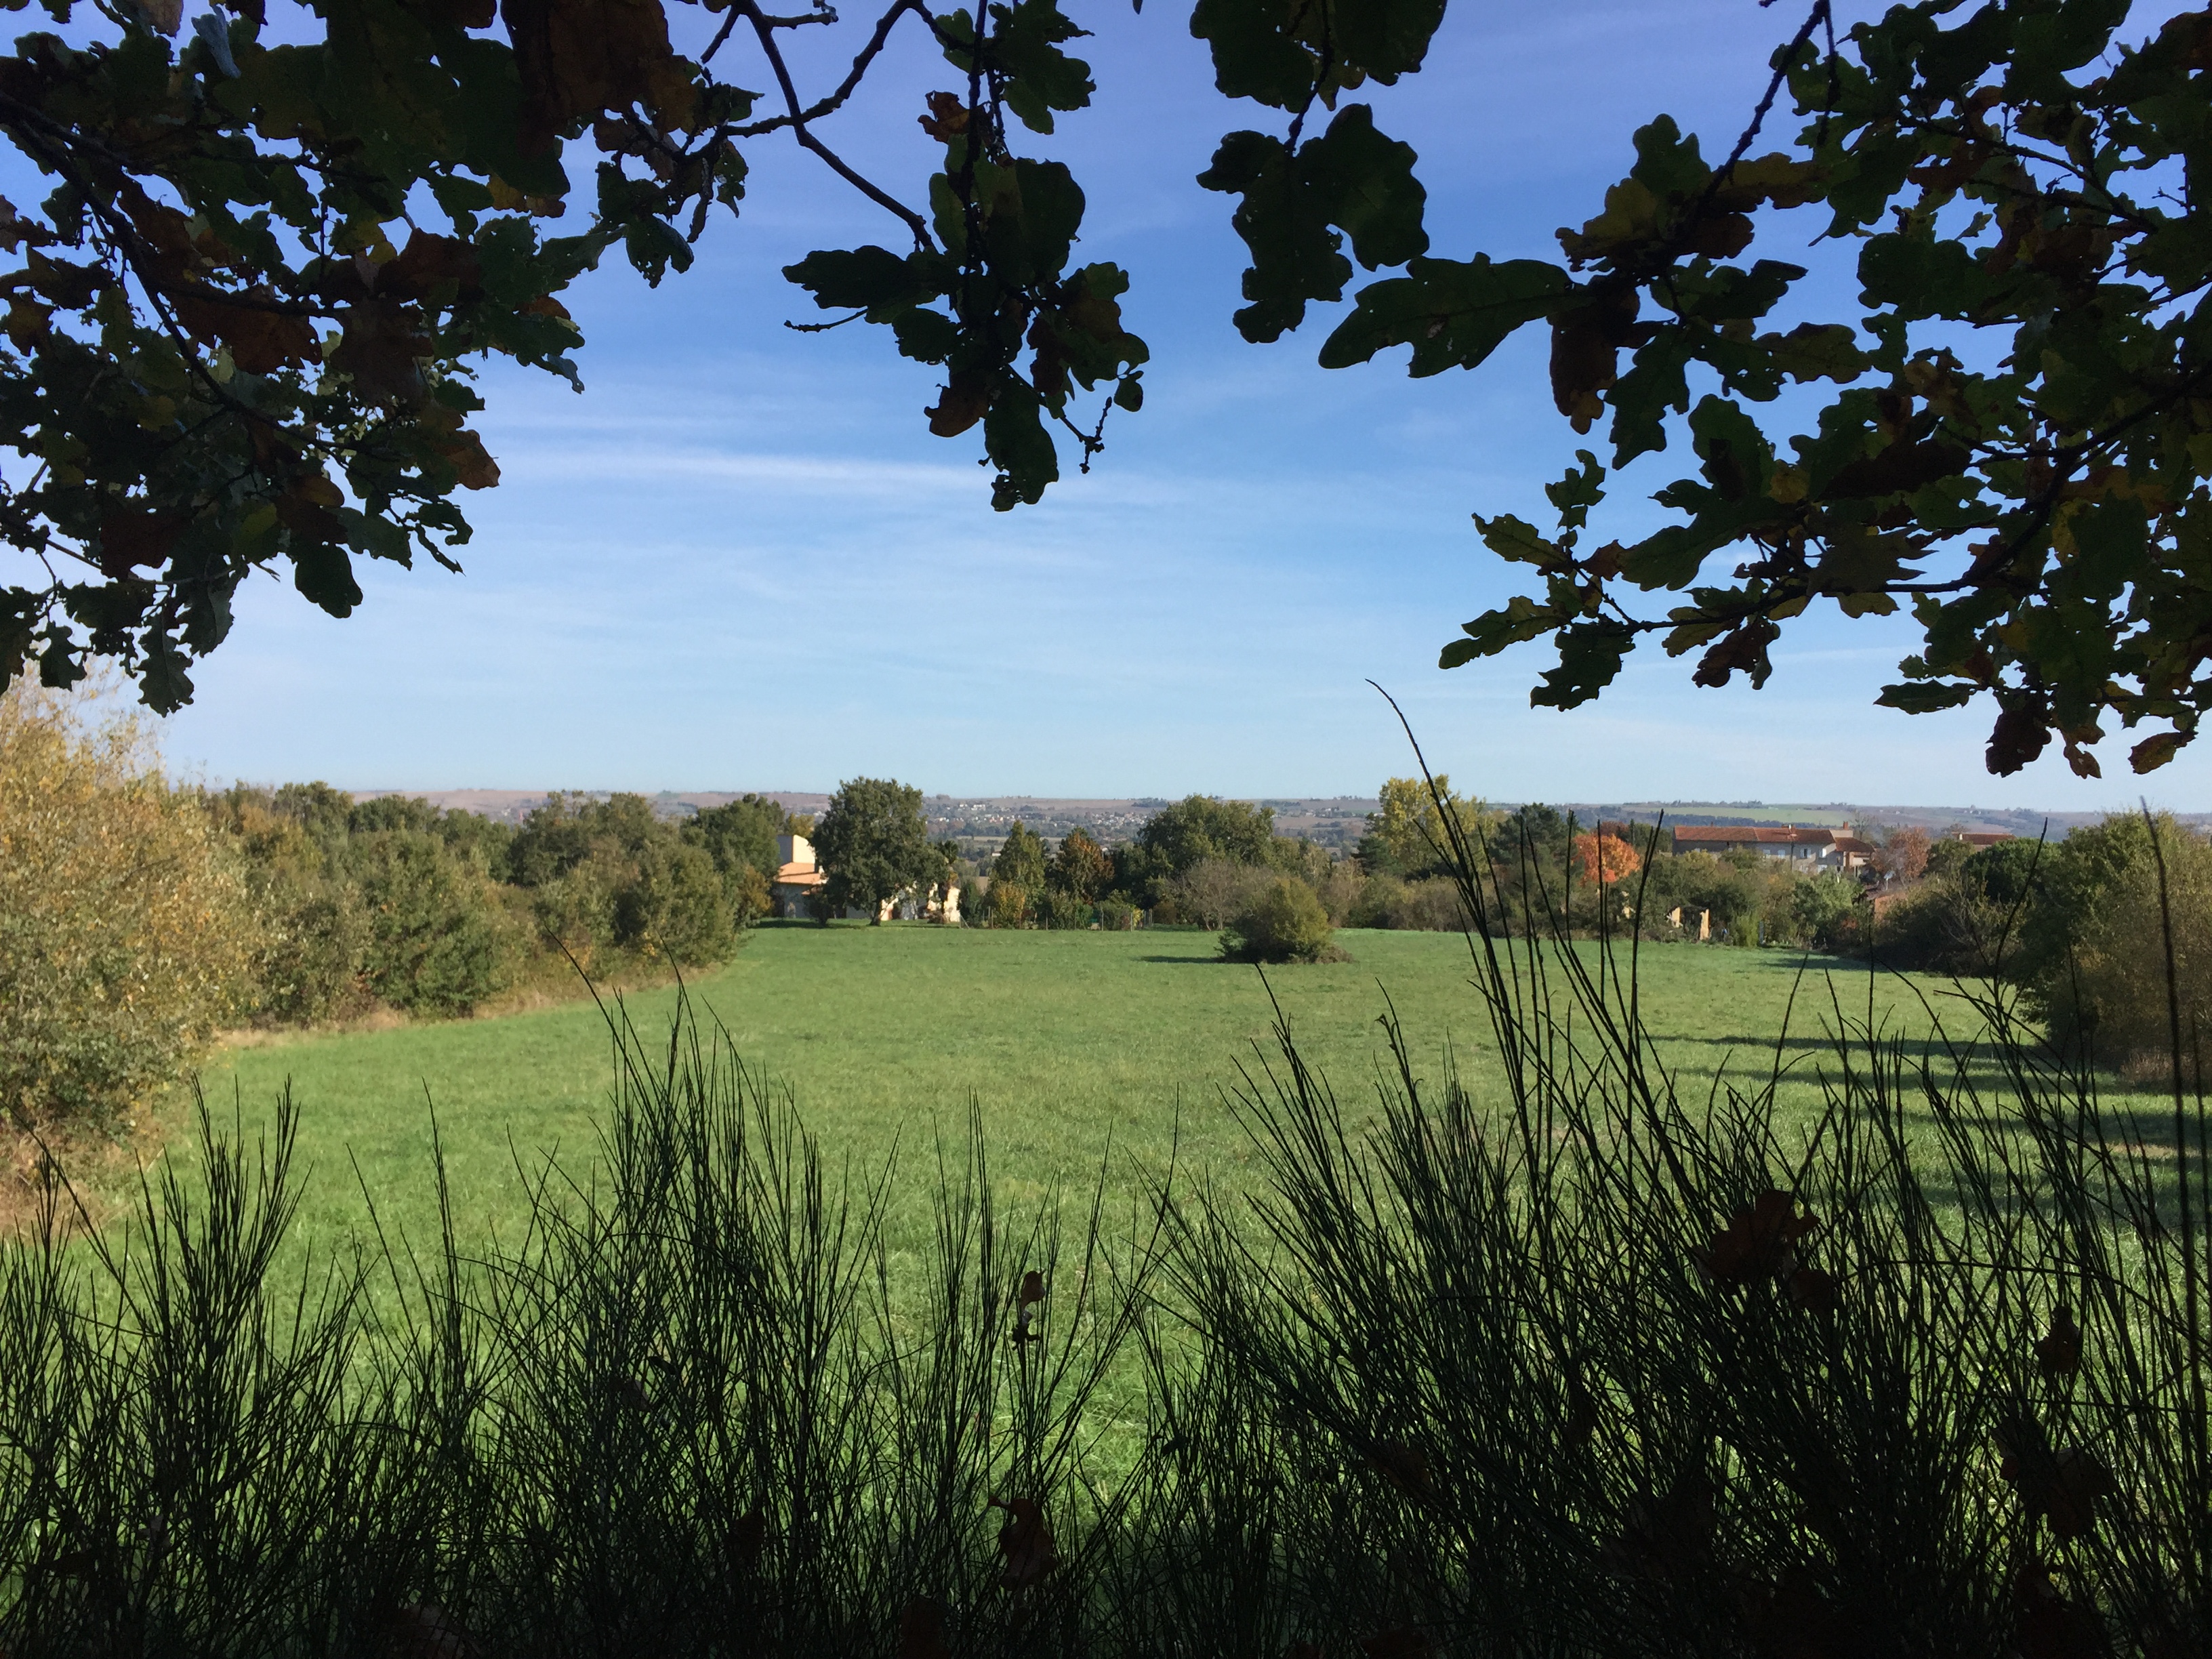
<point x="1067" y="1042"/>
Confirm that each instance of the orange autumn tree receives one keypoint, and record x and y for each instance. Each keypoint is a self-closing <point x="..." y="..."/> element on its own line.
<point x="1604" y="858"/>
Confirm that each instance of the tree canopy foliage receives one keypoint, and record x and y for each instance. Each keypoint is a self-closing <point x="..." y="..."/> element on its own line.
<point x="244" y="325"/>
<point x="874" y="844"/>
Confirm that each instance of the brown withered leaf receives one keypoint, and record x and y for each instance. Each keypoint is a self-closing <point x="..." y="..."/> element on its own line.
<point x="1669" y="1537"/>
<point x="748" y="1537"/>
<point x="1742" y="650"/>
<point x="578" y="58"/>
<point x="1027" y="1555"/>
<point x="959" y="406"/>
<point x="428" y="263"/>
<point x="1813" y="1290"/>
<point x="1585" y="347"/>
<point x="921" y="1630"/>
<point x="28" y="322"/>
<point x="305" y="518"/>
<point x="382" y="348"/>
<point x="2082" y="1481"/>
<point x="1582" y="1413"/>
<point x="947" y="117"/>
<point x="262" y="338"/>
<point x="1719" y="236"/>
<point x="15" y="231"/>
<point x="457" y="14"/>
<point x="2059" y="1351"/>
<point x="138" y="538"/>
<point x="1404" y="1466"/>
<point x="464" y="451"/>
<point x="70" y="287"/>
<point x="1901" y="467"/>
<point x="2064" y="1486"/>
<point x="1759" y="1241"/>
<point x="2049" y="1626"/>
<point x="2021" y="733"/>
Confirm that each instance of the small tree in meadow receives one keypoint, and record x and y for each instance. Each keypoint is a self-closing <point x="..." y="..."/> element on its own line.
<point x="872" y="844"/>
<point x="1282" y="922"/>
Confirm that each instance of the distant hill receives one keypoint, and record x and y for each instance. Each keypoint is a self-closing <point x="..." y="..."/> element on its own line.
<point x="981" y="822"/>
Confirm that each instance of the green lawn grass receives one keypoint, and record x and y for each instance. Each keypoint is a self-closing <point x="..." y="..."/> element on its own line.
<point x="1069" y="1043"/>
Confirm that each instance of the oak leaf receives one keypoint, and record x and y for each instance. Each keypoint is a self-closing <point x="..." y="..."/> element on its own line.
<point x="1759" y="1241"/>
<point x="2058" y="1353"/>
<point x="1027" y="1555"/>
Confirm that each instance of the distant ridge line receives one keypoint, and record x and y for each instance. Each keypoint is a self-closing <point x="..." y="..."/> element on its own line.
<point x="1335" y="819"/>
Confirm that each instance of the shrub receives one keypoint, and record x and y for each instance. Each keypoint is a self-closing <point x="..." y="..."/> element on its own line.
<point x="675" y="905"/>
<point x="434" y="945"/>
<point x="750" y="897"/>
<point x="2110" y="993"/>
<point x="126" y="932"/>
<point x="1282" y="922"/>
<point x="310" y="932"/>
<point x="1056" y="907"/>
<point x="1117" y="914"/>
<point x="1431" y="905"/>
<point x="1829" y="910"/>
<point x="1005" y="904"/>
<point x="1214" y="891"/>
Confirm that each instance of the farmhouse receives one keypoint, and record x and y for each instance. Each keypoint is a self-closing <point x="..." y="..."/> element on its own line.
<point x="1808" y="848"/>
<point x="798" y="876"/>
<point x="798" y="880"/>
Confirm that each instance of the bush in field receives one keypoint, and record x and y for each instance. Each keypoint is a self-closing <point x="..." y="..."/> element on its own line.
<point x="1282" y="922"/>
<point x="740" y="834"/>
<point x="436" y="942"/>
<point x="1212" y="891"/>
<point x="1431" y="904"/>
<point x="1005" y="904"/>
<point x="675" y="907"/>
<point x="1056" y="907"/>
<point x="1830" y="911"/>
<point x="611" y="874"/>
<point x="2110" y="989"/>
<point x="126" y="933"/>
<point x="310" y="933"/>
<point x="1118" y="916"/>
<point x="751" y="896"/>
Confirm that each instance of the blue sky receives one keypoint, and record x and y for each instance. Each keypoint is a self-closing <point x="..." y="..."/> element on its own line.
<point x="739" y="561"/>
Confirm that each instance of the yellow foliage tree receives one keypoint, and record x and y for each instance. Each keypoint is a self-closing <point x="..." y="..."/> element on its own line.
<point x="125" y="929"/>
<point x="1408" y="827"/>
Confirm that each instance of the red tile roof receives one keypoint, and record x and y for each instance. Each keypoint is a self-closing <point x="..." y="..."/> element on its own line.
<point x="1749" y="835"/>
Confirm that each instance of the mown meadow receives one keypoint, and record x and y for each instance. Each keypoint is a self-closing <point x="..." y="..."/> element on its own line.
<point x="1075" y="1049"/>
<point x="1607" y="1338"/>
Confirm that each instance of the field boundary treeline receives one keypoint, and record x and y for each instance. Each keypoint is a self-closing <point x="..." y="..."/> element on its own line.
<point x="1611" y="1371"/>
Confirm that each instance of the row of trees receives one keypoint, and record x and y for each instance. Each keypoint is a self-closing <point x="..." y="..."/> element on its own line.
<point x="396" y="902"/>
<point x="137" y="919"/>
